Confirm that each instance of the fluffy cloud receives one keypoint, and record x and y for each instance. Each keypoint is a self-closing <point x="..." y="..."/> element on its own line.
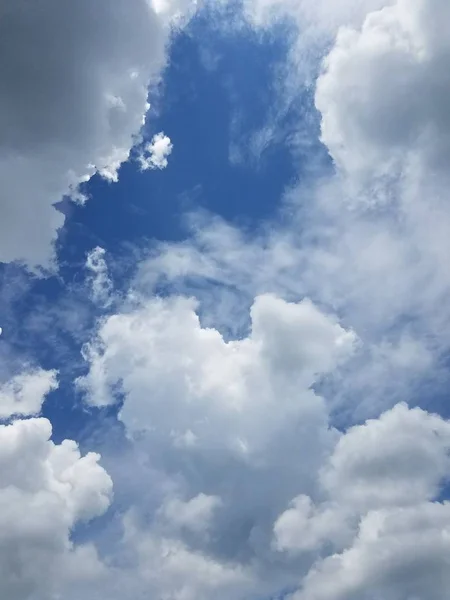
<point x="397" y="554"/>
<point x="194" y="514"/>
<point x="219" y="418"/>
<point x="193" y="379"/>
<point x="303" y="527"/>
<point x="382" y="92"/>
<point x="73" y="100"/>
<point x="155" y="153"/>
<point x="45" y="490"/>
<point x="24" y="394"/>
<point x="319" y="16"/>
<point x="401" y="457"/>
<point x="221" y="421"/>
<point x="389" y="537"/>
<point x="340" y="256"/>
<point x="166" y="567"/>
<point x="297" y="505"/>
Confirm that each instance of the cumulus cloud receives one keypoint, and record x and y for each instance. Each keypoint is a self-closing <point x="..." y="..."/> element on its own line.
<point x="292" y="339"/>
<point x="355" y="514"/>
<point x="194" y="514"/>
<point x="155" y="153"/>
<point x="320" y="13"/>
<point x="249" y="418"/>
<point x="74" y="96"/>
<point x="220" y="417"/>
<point x="401" y="457"/>
<point x="377" y="228"/>
<point x="45" y="490"/>
<point x="398" y="554"/>
<point x="383" y="88"/>
<point x="381" y="521"/>
<point x="303" y="527"/>
<point x="24" y="394"/>
<point x="169" y="568"/>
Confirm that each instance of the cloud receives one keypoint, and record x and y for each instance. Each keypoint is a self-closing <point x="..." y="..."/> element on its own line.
<point x="397" y="554"/>
<point x="319" y="14"/>
<point x="379" y="517"/>
<point x="238" y="482"/>
<point x="155" y="153"/>
<point x="401" y="457"/>
<point x="24" y="394"/>
<point x="370" y="240"/>
<point x="73" y="100"/>
<point x="45" y="490"/>
<point x="334" y="515"/>
<point x="98" y="279"/>
<point x="166" y="567"/>
<point x="221" y="421"/>
<point x="400" y="51"/>
<point x="164" y="333"/>
<point x="304" y="528"/>
<point x="193" y="515"/>
<point x="220" y="418"/>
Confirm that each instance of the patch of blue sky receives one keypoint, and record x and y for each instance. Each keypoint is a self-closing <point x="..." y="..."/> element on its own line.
<point x="197" y="106"/>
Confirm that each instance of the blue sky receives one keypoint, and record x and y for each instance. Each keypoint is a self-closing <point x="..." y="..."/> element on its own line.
<point x="225" y="331"/>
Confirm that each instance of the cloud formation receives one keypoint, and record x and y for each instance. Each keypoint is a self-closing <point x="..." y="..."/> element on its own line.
<point x="24" y="394"/>
<point x="73" y="100"/>
<point x="45" y="490"/>
<point x="364" y="517"/>
<point x="154" y="155"/>
<point x="222" y="422"/>
<point x="382" y="93"/>
<point x="239" y="483"/>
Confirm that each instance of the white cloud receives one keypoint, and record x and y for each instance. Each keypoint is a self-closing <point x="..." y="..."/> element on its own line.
<point x="305" y="528"/>
<point x="245" y="406"/>
<point x="383" y="88"/>
<point x="400" y="458"/>
<point x="320" y="14"/>
<point x="352" y="515"/>
<point x="389" y="537"/>
<point x="73" y="100"/>
<point x="194" y="514"/>
<point x="398" y="554"/>
<point x="341" y="257"/>
<point x="45" y="489"/>
<point x="154" y="155"/>
<point x="168" y="568"/>
<point x="99" y="279"/>
<point x="320" y="505"/>
<point x="25" y="393"/>
<point x="179" y="361"/>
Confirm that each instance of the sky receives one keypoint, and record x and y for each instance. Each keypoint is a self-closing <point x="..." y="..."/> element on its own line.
<point x="224" y="283"/>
